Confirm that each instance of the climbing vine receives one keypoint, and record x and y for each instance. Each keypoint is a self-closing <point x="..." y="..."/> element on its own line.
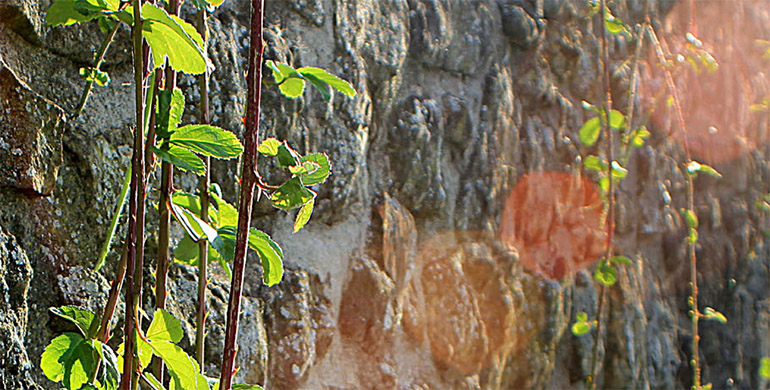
<point x="163" y="45"/>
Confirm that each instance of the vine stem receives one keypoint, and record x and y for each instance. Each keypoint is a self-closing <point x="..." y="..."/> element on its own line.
<point x="610" y="192"/>
<point x="249" y="178"/>
<point x="97" y="63"/>
<point x="136" y="210"/>
<point x="695" y="313"/>
<point x="164" y="224"/>
<point x="203" y="188"/>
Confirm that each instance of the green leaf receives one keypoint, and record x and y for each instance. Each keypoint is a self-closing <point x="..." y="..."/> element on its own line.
<point x="289" y="81"/>
<point x="320" y="175"/>
<point x="207" y="140"/>
<point x="269" y="147"/>
<point x="606" y="274"/>
<point x="271" y="255"/>
<point x="228" y="215"/>
<point x="209" y="5"/>
<point x="594" y="163"/>
<point x="711" y="314"/>
<point x="604" y="184"/>
<point x="640" y="135"/>
<point x="68" y="359"/>
<point x="174" y="39"/>
<point x="287" y="156"/>
<point x="320" y="78"/>
<point x="692" y="236"/>
<point x="180" y="158"/>
<point x="186" y="251"/>
<point x="243" y="386"/>
<point x="303" y="215"/>
<point x="193" y="204"/>
<point x="194" y="226"/>
<point x="165" y="326"/>
<point x="68" y="12"/>
<point x="693" y="167"/>
<point x="617" y="120"/>
<point x="580" y="328"/>
<point x="764" y="367"/>
<point x="291" y="195"/>
<point x="620" y="260"/>
<point x="710" y="171"/>
<point x="152" y="381"/>
<point x="83" y="319"/>
<point x="180" y="365"/>
<point x="111" y="373"/>
<point x="170" y="108"/>
<point x="305" y="168"/>
<point x="690" y="218"/>
<point x="101" y="79"/>
<point x="618" y="172"/>
<point x="589" y="133"/>
<point x="582" y="316"/>
<point x="225" y="242"/>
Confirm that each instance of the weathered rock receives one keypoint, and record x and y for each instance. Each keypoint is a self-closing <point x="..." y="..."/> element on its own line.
<point x="15" y="276"/>
<point x="30" y="137"/>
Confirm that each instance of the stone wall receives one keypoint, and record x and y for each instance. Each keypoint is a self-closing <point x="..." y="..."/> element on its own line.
<point x="400" y="280"/>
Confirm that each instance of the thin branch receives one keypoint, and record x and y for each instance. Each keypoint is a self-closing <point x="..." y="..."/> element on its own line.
<point x="97" y="63"/>
<point x="249" y="177"/>
<point x="203" y="188"/>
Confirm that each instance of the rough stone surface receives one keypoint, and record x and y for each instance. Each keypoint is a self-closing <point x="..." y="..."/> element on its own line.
<point x="402" y="279"/>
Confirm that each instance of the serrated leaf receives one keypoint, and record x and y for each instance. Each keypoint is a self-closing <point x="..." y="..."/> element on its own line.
<point x="180" y="158"/>
<point x="225" y="242"/>
<point x="606" y="274"/>
<point x="228" y="215"/>
<point x="110" y="375"/>
<point x="270" y="254"/>
<point x="170" y="108"/>
<point x="287" y="156"/>
<point x="172" y="38"/>
<point x="290" y="82"/>
<point x="207" y="140"/>
<point x="180" y="365"/>
<point x="194" y="226"/>
<point x="305" y="168"/>
<point x="291" y="195"/>
<point x="594" y="163"/>
<point x="68" y="359"/>
<point x="320" y="175"/>
<point x="82" y="318"/>
<point x="590" y="131"/>
<point x="269" y="147"/>
<point x="303" y="216"/>
<point x="319" y="78"/>
<point x="165" y="326"/>
<point x="690" y="218"/>
<point x="69" y="12"/>
<point x="152" y="381"/>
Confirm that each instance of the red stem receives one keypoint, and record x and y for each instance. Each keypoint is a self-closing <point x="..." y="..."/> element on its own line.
<point x="136" y="205"/>
<point x="249" y="179"/>
<point x="203" y="251"/>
